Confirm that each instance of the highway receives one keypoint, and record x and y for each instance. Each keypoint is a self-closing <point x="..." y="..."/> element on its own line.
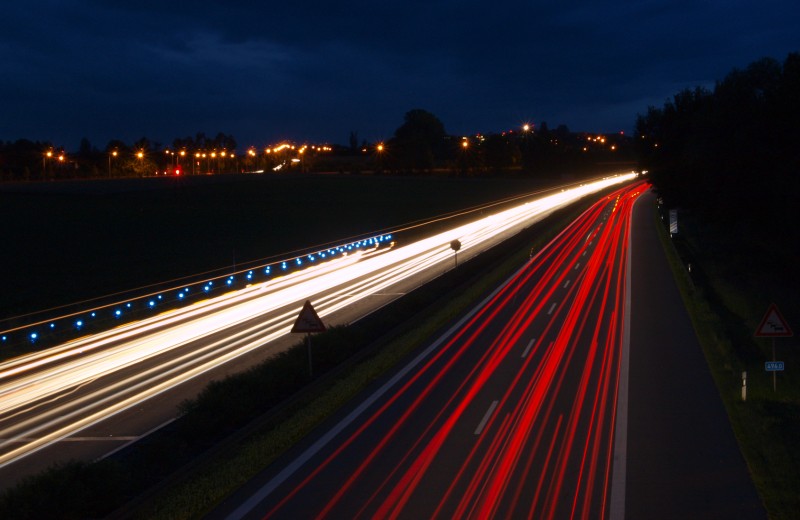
<point x="90" y="396"/>
<point x="511" y="413"/>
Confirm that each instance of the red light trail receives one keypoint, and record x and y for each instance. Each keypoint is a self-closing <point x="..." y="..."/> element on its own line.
<point x="543" y="354"/>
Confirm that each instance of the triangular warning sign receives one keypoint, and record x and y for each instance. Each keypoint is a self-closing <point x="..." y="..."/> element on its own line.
<point x="308" y="320"/>
<point x="773" y="325"/>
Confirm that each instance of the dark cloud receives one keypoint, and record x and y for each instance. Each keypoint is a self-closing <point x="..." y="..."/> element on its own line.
<point x="317" y="70"/>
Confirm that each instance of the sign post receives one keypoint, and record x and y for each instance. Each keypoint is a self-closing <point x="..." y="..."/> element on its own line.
<point x="455" y="245"/>
<point x="773" y="325"/>
<point x="307" y="322"/>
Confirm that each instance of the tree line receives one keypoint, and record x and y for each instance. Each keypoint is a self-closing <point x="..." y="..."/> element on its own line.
<point x="26" y="160"/>
<point x="730" y="153"/>
<point x="420" y="145"/>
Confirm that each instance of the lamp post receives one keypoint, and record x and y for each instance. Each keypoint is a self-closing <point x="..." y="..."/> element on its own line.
<point x="110" y="155"/>
<point x="252" y="153"/>
<point x="380" y="149"/>
<point x="48" y="154"/>
<point x="463" y="157"/>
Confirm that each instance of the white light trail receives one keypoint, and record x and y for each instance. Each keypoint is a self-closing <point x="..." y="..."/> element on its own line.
<point x="50" y="395"/>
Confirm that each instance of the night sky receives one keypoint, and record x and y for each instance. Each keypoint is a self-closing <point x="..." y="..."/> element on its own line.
<point x="315" y="71"/>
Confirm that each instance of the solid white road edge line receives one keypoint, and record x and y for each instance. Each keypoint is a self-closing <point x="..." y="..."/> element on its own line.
<point x="620" y="462"/>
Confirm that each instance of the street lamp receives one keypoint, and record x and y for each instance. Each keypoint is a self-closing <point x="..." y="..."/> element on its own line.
<point x="379" y="149"/>
<point x="61" y="158"/>
<point x="110" y="155"/>
<point x="46" y="156"/>
<point x="140" y="156"/>
<point x="253" y="158"/>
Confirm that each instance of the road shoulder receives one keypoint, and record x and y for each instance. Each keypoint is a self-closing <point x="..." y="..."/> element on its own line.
<point x="682" y="457"/>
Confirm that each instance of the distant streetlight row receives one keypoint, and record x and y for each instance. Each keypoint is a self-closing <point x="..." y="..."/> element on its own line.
<point x="49" y="154"/>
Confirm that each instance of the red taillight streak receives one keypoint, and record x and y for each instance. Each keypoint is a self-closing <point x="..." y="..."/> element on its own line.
<point x="486" y="464"/>
<point x="521" y="319"/>
<point x="519" y="412"/>
<point x="507" y="292"/>
<point x="492" y="312"/>
<point x="602" y="249"/>
<point x="504" y="472"/>
<point x="542" y="383"/>
<point x="579" y="310"/>
<point x="403" y="490"/>
<point x="550" y="451"/>
<point x="614" y="397"/>
<point x="608" y="370"/>
<point x="608" y="377"/>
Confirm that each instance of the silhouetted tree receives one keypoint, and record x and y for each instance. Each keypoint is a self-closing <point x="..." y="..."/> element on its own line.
<point x="419" y="141"/>
<point x="730" y="154"/>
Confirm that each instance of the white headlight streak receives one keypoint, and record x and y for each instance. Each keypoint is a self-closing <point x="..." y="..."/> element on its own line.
<point x="47" y="396"/>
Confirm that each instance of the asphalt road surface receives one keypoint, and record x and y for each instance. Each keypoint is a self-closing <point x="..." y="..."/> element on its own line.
<point x="578" y="389"/>
<point x="510" y="414"/>
<point x="682" y="457"/>
<point x="91" y="396"/>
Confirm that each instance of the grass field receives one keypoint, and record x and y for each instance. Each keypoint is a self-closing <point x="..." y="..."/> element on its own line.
<point x="70" y="241"/>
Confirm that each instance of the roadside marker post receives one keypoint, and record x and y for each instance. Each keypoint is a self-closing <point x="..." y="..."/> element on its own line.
<point x="744" y="386"/>
<point x="308" y="321"/>
<point x="773" y="325"/>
